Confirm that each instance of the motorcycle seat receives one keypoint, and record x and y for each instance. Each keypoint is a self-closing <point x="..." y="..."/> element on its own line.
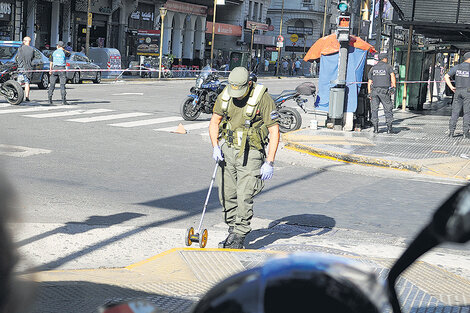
<point x="284" y="93"/>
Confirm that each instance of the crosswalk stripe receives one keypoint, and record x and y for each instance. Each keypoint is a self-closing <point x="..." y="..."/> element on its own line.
<point x="107" y="117"/>
<point x="68" y="113"/>
<point x="193" y="126"/>
<point x="32" y="109"/>
<point x="149" y="122"/>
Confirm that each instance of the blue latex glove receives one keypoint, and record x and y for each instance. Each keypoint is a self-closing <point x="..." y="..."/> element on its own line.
<point x="266" y="171"/>
<point x="217" y="154"/>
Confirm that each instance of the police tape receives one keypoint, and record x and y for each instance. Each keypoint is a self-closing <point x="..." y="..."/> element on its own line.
<point x="116" y="70"/>
<point x="405" y="82"/>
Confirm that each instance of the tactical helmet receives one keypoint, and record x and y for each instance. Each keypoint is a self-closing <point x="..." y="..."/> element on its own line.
<point x="297" y="283"/>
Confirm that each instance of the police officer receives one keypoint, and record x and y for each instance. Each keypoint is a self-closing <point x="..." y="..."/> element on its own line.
<point x="461" y="96"/>
<point x="244" y="116"/>
<point x="381" y="85"/>
<point x="57" y="71"/>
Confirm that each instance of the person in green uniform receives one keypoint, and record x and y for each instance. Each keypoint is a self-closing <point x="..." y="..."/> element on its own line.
<point x="244" y="119"/>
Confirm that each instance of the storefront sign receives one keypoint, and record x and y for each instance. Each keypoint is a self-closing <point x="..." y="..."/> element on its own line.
<point x="258" y="26"/>
<point x="147" y="42"/>
<point x="184" y="7"/>
<point x="263" y="40"/>
<point x="271" y="49"/>
<point x="5" y="11"/>
<point x="224" y="29"/>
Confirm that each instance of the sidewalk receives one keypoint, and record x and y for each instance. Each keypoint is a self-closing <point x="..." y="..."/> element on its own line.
<point x="419" y="144"/>
<point x="176" y="279"/>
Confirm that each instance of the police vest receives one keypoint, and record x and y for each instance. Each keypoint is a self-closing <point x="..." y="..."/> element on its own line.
<point x="247" y="135"/>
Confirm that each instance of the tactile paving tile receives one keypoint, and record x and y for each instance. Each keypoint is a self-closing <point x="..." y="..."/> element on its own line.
<point x="212" y="266"/>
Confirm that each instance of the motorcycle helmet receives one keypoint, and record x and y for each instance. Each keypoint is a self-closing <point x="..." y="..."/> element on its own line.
<point x="297" y="283"/>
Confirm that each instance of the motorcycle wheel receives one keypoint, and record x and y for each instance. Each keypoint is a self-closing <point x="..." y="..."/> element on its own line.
<point x="290" y="119"/>
<point x="13" y="92"/>
<point x="187" y="110"/>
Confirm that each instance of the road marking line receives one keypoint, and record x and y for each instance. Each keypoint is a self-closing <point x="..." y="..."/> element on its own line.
<point x="107" y="117"/>
<point x="32" y="109"/>
<point x="128" y="93"/>
<point x="193" y="126"/>
<point x="149" y="122"/>
<point x="20" y="151"/>
<point x="68" y="113"/>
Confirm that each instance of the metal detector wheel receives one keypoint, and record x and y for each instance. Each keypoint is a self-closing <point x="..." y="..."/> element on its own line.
<point x="203" y="238"/>
<point x="189" y="234"/>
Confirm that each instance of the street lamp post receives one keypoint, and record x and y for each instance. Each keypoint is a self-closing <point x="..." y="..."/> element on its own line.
<point x="253" y="28"/>
<point x="222" y="2"/>
<point x="163" y="11"/>
<point x="280" y="34"/>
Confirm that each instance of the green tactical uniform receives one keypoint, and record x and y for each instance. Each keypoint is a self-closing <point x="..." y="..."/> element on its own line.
<point x="243" y="149"/>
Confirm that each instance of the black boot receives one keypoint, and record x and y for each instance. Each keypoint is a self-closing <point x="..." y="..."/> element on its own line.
<point x="237" y="242"/>
<point x="228" y="239"/>
<point x="64" y="102"/>
<point x="451" y="133"/>
<point x="376" y="128"/>
<point x="50" y="100"/>
<point x="389" y="129"/>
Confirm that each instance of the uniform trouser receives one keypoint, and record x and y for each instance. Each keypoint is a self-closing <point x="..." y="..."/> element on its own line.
<point x="461" y="100"/>
<point x="238" y="184"/>
<point x="62" y="80"/>
<point x="381" y="95"/>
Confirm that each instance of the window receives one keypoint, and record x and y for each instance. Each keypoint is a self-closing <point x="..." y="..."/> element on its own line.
<point x="37" y="54"/>
<point x="299" y="24"/>
<point x="7" y="52"/>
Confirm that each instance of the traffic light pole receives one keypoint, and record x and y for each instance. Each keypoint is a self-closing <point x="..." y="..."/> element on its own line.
<point x="338" y="91"/>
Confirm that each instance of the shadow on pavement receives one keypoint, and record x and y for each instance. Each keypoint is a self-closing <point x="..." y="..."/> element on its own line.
<point x="93" y="222"/>
<point x="178" y="202"/>
<point x="288" y="227"/>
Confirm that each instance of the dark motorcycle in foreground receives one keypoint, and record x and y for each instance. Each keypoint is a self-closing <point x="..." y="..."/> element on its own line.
<point x="311" y="282"/>
<point x="203" y="95"/>
<point x="9" y="87"/>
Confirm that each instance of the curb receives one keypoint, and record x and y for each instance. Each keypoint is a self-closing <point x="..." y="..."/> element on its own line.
<point x="355" y="159"/>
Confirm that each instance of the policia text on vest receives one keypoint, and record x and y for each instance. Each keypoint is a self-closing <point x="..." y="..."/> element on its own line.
<point x="244" y="118"/>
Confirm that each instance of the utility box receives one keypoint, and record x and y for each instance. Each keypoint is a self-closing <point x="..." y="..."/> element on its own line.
<point x="336" y="107"/>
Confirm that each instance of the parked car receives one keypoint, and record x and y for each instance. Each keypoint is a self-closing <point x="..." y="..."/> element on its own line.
<point x="8" y="52"/>
<point x="79" y="61"/>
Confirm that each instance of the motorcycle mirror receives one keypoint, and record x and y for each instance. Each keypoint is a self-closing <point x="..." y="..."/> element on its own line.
<point x="450" y="223"/>
<point x="136" y="306"/>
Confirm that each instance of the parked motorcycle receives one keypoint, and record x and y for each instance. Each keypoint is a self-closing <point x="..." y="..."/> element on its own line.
<point x="290" y="118"/>
<point x="309" y="281"/>
<point x="203" y="95"/>
<point x="9" y="87"/>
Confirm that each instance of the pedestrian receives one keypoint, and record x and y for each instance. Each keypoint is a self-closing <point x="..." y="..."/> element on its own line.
<point x="285" y="65"/>
<point x="381" y="85"/>
<point x="291" y="67"/>
<point x="245" y="115"/>
<point x="57" y="71"/>
<point x="297" y="67"/>
<point x="266" y="65"/>
<point x="24" y="58"/>
<point x="461" y="95"/>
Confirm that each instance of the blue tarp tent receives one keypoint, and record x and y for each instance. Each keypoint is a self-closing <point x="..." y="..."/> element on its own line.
<point x="329" y="73"/>
<point x="326" y="49"/>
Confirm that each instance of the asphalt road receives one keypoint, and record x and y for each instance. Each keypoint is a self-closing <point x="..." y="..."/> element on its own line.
<point x="98" y="172"/>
